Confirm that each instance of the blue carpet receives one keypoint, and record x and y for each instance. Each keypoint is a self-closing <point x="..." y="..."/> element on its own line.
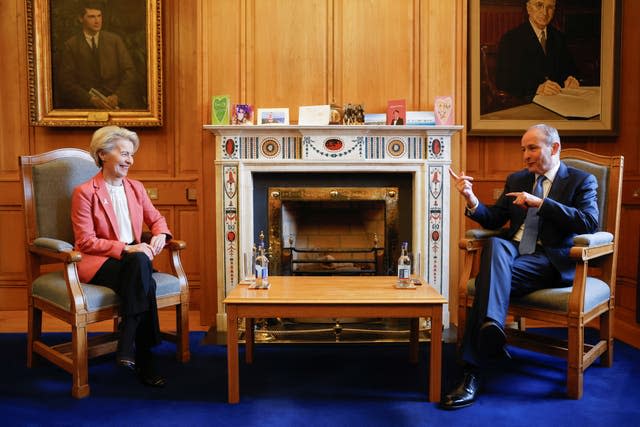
<point x="314" y="385"/>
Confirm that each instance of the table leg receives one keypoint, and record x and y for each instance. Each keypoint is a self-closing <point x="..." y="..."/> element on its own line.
<point x="249" y="339"/>
<point x="232" y="354"/>
<point x="435" y="364"/>
<point x="414" y="340"/>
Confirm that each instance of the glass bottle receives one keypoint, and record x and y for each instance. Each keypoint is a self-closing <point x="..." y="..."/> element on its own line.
<point x="262" y="268"/>
<point x="249" y="266"/>
<point x="404" y="267"/>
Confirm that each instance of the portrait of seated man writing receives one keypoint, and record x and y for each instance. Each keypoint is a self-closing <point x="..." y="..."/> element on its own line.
<point x="533" y="58"/>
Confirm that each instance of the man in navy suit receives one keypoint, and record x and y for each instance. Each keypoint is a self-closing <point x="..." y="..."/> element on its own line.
<point x="533" y="58"/>
<point x="565" y="207"/>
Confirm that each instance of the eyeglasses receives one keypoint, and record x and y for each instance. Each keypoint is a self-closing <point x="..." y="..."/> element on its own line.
<point x="539" y="5"/>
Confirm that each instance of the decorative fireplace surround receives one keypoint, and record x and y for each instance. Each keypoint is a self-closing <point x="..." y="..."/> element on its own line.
<point x="422" y="151"/>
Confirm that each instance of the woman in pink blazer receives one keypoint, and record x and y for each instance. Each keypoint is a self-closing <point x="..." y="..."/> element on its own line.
<point x="108" y="212"/>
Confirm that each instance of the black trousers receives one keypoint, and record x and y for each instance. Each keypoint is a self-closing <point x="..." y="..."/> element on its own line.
<point x="132" y="279"/>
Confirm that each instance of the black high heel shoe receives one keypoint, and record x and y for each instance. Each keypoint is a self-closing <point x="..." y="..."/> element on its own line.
<point x="149" y="377"/>
<point x="126" y="362"/>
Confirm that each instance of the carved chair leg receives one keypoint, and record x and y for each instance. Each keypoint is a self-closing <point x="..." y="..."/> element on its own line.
<point x="575" y="362"/>
<point x="182" y="332"/>
<point x="606" y="333"/>
<point x="79" y="347"/>
<point x="34" y="328"/>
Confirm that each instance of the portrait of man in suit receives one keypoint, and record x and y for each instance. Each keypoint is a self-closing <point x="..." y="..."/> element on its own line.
<point x="95" y="68"/>
<point x="533" y="58"/>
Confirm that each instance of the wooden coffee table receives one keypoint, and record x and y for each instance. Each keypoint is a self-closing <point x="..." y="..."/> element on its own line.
<point x="334" y="297"/>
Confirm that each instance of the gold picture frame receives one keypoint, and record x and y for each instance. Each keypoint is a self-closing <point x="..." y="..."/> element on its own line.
<point x="493" y="111"/>
<point x="59" y="57"/>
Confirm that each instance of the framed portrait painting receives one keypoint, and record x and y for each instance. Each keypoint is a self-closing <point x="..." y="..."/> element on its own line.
<point x="543" y="61"/>
<point x="93" y="62"/>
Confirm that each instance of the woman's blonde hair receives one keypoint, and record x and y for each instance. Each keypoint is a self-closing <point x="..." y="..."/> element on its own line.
<point x="104" y="140"/>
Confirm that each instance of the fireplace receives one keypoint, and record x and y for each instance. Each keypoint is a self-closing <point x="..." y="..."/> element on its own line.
<point x="328" y="231"/>
<point x="317" y="229"/>
<point x="254" y="163"/>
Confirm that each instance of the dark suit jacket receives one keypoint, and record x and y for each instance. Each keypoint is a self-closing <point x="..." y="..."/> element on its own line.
<point x="95" y="226"/>
<point x="569" y="209"/>
<point x="522" y="64"/>
<point x="112" y="72"/>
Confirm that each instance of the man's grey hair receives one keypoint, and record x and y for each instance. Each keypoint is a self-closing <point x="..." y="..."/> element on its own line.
<point x="550" y="133"/>
<point x="104" y="140"/>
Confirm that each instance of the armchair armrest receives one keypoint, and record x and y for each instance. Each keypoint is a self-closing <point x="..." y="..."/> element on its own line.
<point x="474" y="238"/>
<point x="173" y="244"/>
<point x="176" y="245"/>
<point x="53" y="244"/>
<point x="590" y="246"/>
<point x="57" y="250"/>
<point x="595" y="239"/>
<point x="482" y="233"/>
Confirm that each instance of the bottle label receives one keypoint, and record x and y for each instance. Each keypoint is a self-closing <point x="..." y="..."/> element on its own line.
<point x="404" y="272"/>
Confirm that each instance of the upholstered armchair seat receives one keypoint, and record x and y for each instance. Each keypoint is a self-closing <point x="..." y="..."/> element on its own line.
<point x="557" y="299"/>
<point x="52" y="287"/>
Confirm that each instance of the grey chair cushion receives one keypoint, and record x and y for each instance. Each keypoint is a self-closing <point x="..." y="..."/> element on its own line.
<point x="557" y="299"/>
<point x="51" y="287"/>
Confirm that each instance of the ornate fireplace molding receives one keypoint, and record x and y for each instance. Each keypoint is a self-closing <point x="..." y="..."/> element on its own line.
<point x="423" y="151"/>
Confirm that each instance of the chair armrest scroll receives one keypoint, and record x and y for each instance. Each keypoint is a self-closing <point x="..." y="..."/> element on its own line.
<point x="176" y="245"/>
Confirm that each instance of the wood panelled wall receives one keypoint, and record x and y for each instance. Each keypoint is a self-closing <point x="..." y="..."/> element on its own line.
<point x="287" y="53"/>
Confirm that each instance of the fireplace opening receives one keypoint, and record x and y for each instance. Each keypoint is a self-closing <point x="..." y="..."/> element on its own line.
<point x="360" y="211"/>
<point x="333" y="230"/>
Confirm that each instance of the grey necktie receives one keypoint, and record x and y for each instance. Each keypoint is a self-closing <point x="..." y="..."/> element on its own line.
<point x="530" y="233"/>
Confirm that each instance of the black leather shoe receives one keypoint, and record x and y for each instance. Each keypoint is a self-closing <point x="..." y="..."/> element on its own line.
<point x="149" y="377"/>
<point x="464" y="394"/>
<point x="492" y="341"/>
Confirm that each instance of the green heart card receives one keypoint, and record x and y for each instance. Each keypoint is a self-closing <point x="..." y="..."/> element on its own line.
<point x="220" y="107"/>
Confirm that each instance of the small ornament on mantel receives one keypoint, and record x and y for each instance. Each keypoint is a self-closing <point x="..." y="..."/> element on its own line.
<point x="335" y="117"/>
<point x="353" y="114"/>
<point x="443" y="110"/>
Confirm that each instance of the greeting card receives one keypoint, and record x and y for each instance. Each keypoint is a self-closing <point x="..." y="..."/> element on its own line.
<point x="396" y="112"/>
<point x="220" y="107"/>
<point x="443" y="110"/>
<point x="242" y="114"/>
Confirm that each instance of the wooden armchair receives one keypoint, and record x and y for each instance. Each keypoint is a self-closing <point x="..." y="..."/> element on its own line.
<point x="593" y="291"/>
<point x="48" y="181"/>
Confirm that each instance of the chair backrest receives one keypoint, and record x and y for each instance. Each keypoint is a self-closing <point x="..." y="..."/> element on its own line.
<point x="608" y="173"/>
<point x="48" y="180"/>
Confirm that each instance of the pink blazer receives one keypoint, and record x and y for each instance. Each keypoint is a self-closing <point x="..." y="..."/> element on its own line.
<point x="95" y="226"/>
